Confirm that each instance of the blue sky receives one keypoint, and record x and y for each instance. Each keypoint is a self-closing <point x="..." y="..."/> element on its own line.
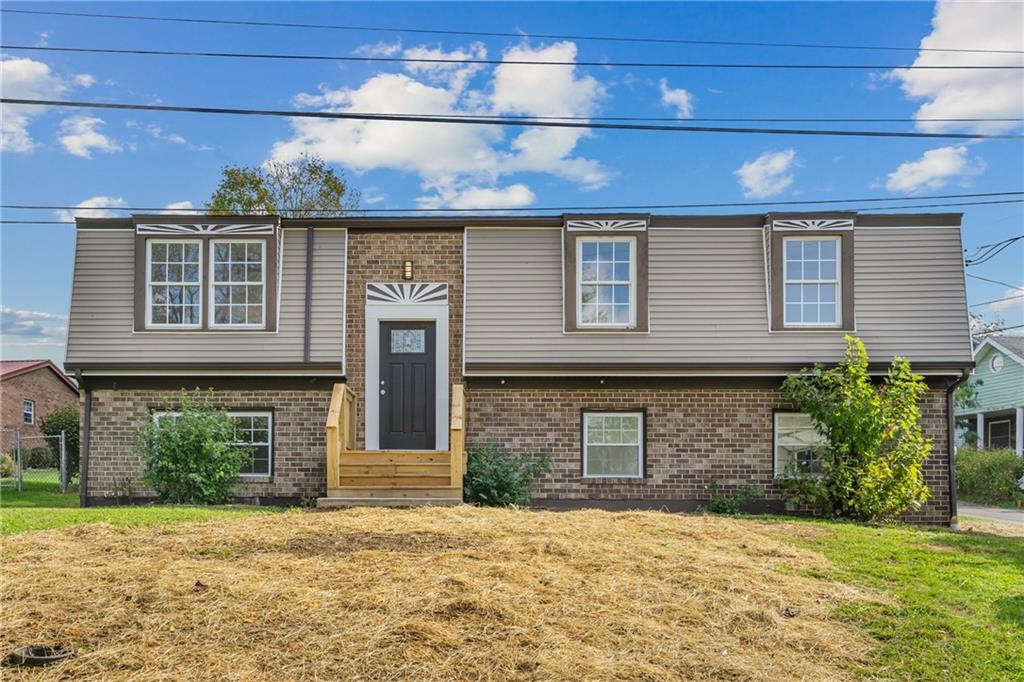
<point x="73" y="157"/>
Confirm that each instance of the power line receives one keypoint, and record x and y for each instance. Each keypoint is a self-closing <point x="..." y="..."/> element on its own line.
<point x="501" y="62"/>
<point x="997" y="300"/>
<point x="501" y="34"/>
<point x="994" y="281"/>
<point x="997" y="330"/>
<point x="620" y="207"/>
<point x="539" y="123"/>
<point x="992" y="251"/>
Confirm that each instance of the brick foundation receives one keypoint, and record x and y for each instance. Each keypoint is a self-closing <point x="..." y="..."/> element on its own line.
<point x="299" y="448"/>
<point x="693" y="434"/>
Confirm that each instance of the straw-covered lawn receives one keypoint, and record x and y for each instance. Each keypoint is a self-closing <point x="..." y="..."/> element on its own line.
<point x="478" y="594"/>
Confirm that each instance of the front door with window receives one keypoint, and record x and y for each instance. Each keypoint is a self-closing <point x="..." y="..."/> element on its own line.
<point x="407" y="374"/>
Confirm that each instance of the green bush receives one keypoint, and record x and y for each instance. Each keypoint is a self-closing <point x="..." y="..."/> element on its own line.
<point x="989" y="476"/>
<point x="6" y="465"/>
<point x="65" y="419"/>
<point x="875" y="448"/>
<point x="729" y="503"/>
<point x="41" y="457"/>
<point x="187" y="455"/>
<point x="497" y="477"/>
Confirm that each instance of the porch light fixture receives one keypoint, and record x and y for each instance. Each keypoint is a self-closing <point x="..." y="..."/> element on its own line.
<point x="407" y="270"/>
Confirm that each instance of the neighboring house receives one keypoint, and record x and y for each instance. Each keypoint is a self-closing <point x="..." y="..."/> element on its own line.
<point x="643" y="353"/>
<point x="30" y="390"/>
<point x="998" y="418"/>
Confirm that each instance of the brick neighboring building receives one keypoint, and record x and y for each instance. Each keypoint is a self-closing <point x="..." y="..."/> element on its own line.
<point x="30" y="390"/>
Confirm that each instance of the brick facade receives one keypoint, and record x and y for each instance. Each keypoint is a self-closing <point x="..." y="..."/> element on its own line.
<point x="299" y="447"/>
<point x="377" y="256"/>
<point x="40" y="385"/>
<point x="693" y="433"/>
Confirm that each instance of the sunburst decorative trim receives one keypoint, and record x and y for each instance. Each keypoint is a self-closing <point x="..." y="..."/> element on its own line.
<point x="814" y="224"/>
<point x="403" y="293"/>
<point x="205" y="228"/>
<point x="606" y="225"/>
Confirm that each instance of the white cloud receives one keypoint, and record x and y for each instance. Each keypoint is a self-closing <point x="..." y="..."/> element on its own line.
<point x="453" y="161"/>
<point x="678" y="98"/>
<point x="157" y="132"/>
<point x="88" y="208"/>
<point x="768" y="174"/>
<point x="24" y="78"/>
<point x="31" y="323"/>
<point x="983" y="93"/>
<point x="1013" y="301"/>
<point x="79" y="136"/>
<point x="933" y="170"/>
<point x="379" y="49"/>
<point x="513" y="196"/>
<point x="178" y="206"/>
<point x="85" y="80"/>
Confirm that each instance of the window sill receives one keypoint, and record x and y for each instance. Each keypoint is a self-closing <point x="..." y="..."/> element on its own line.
<point x="612" y="479"/>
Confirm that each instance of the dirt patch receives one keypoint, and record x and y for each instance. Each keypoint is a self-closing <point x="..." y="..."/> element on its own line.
<point x="431" y="594"/>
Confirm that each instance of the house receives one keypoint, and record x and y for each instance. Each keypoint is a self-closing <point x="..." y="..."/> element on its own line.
<point x="643" y="353"/>
<point x="30" y="390"/>
<point x="998" y="417"/>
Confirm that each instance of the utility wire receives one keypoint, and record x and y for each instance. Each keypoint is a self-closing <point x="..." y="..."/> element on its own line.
<point x="997" y="330"/>
<point x="499" y="210"/>
<point x="500" y="34"/>
<point x="502" y="62"/>
<point x="539" y="123"/>
<point x="997" y="300"/>
<point x="992" y="251"/>
<point x="994" y="281"/>
<point x="629" y="207"/>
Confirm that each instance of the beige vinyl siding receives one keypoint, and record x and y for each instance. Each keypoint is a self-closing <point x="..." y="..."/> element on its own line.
<point x="327" y="319"/>
<point x="708" y="300"/>
<point x="100" y="328"/>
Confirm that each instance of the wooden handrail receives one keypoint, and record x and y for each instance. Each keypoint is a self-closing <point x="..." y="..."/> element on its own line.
<point x="341" y="429"/>
<point x="457" y="435"/>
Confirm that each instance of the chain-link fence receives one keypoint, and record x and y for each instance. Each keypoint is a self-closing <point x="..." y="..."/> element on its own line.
<point x="33" y="462"/>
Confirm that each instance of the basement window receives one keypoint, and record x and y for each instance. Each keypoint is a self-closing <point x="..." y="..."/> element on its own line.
<point x="253" y="432"/>
<point x="613" y="444"/>
<point x="799" y="446"/>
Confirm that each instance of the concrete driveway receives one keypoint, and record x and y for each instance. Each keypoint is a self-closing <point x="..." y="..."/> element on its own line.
<point x="997" y="514"/>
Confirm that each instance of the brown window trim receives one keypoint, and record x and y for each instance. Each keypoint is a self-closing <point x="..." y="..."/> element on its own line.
<point x="205" y="324"/>
<point x="569" y="246"/>
<point x="777" y="286"/>
<point x="643" y="445"/>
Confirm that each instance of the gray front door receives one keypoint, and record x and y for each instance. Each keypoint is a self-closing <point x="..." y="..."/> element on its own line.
<point x="407" y="379"/>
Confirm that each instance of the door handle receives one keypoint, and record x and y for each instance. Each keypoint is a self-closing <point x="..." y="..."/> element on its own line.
<point x="383" y="391"/>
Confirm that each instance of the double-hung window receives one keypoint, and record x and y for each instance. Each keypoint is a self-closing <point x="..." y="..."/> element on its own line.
<point x="613" y="444"/>
<point x="174" y="283"/>
<point x="238" y="283"/>
<point x="811" y="280"/>
<point x="28" y="411"/>
<point x="253" y="433"/>
<point x="799" y="446"/>
<point x="606" y="282"/>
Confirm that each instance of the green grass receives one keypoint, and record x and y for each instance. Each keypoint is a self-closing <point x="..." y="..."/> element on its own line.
<point x="41" y="505"/>
<point x="957" y="611"/>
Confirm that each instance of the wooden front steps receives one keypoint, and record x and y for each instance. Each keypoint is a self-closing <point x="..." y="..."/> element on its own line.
<point x="390" y="478"/>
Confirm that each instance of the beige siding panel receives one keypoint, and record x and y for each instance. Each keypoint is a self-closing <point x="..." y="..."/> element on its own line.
<point x="327" y="330"/>
<point x="101" y="323"/>
<point x="708" y="300"/>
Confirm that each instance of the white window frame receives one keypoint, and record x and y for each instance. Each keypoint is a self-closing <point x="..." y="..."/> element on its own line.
<point x="149" y="284"/>
<point x="30" y="412"/>
<point x="158" y="415"/>
<point x="580" y="241"/>
<point x="639" y="443"/>
<point x="779" y="466"/>
<point x="212" y="302"/>
<point x="1009" y="432"/>
<point x="838" y="281"/>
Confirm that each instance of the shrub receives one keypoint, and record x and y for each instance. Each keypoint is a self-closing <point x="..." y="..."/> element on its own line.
<point x="875" y="450"/>
<point x="721" y="503"/>
<point x="65" y="419"/>
<point x="188" y="457"/>
<point x="497" y="477"/>
<point x="41" y="457"/>
<point x="989" y="476"/>
<point x="6" y="465"/>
